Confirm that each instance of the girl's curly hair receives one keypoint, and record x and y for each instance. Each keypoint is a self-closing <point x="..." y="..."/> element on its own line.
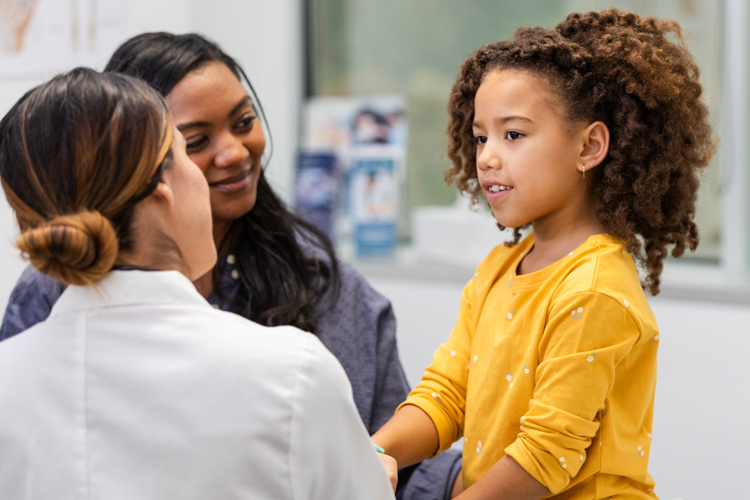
<point x="623" y="70"/>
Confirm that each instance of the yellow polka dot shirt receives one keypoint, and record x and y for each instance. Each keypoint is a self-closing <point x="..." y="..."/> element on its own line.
<point x="556" y="368"/>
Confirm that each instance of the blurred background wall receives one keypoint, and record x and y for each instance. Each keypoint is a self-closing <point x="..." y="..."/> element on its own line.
<point x="295" y="49"/>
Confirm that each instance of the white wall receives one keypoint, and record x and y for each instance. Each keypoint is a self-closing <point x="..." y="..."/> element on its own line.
<point x="701" y="436"/>
<point x="266" y="39"/>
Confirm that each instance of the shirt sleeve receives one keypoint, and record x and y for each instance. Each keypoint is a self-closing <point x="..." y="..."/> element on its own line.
<point x="30" y="302"/>
<point x="442" y="391"/>
<point x="331" y="455"/>
<point x="586" y="337"/>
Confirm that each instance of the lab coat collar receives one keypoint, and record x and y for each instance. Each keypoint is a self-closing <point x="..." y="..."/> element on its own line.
<point x="121" y="288"/>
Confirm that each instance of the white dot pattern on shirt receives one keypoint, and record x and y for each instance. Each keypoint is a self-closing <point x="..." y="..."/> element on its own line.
<point x="231" y="259"/>
<point x="235" y="274"/>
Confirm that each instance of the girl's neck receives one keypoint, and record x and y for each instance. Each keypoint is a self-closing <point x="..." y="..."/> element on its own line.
<point x="557" y="236"/>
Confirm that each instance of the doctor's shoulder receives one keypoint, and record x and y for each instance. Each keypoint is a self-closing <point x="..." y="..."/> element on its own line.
<point x="276" y="347"/>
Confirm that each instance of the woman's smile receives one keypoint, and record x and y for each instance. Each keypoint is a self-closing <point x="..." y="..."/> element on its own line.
<point x="234" y="183"/>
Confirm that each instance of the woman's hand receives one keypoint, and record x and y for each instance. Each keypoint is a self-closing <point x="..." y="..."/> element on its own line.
<point x="391" y="468"/>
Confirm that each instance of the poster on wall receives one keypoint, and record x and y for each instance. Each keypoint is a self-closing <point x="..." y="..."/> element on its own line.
<point x="367" y="136"/>
<point x="374" y="194"/>
<point x="38" y="37"/>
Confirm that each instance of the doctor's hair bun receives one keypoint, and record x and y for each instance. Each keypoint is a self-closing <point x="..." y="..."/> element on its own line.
<point x="77" y="155"/>
<point x="74" y="249"/>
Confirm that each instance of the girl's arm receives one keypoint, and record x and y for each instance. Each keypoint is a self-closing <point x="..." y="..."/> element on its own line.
<point x="409" y="436"/>
<point x="507" y="480"/>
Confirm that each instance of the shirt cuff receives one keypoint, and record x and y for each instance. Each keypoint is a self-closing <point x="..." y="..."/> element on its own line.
<point x="541" y="465"/>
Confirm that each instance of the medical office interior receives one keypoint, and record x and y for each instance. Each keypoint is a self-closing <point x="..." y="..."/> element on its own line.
<point x="387" y="68"/>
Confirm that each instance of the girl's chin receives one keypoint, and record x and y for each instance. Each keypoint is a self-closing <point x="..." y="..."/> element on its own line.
<point x="510" y="223"/>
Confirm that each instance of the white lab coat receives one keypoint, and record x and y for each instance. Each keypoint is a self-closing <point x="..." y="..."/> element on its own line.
<point x="143" y="391"/>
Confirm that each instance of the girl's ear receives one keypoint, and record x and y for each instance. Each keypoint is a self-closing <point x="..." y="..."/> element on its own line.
<point x="595" y="145"/>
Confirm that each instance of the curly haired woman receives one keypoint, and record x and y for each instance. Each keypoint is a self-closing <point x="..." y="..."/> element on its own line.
<point x="594" y="134"/>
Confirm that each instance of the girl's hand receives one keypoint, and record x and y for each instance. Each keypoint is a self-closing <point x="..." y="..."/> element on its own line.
<point x="391" y="468"/>
<point x="458" y="484"/>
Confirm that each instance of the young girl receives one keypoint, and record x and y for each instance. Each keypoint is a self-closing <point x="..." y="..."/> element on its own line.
<point x="594" y="133"/>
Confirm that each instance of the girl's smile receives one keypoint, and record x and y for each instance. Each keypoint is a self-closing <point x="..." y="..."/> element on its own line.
<point x="495" y="191"/>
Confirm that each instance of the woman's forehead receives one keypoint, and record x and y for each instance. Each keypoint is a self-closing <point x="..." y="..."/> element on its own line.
<point x="209" y="92"/>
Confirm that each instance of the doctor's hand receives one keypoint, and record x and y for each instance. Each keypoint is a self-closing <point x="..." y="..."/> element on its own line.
<point x="391" y="468"/>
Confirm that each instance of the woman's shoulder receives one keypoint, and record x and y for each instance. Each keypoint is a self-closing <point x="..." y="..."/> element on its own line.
<point x="33" y="281"/>
<point x="30" y="302"/>
<point x="353" y="283"/>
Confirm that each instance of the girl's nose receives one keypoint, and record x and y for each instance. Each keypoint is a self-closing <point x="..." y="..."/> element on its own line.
<point x="231" y="151"/>
<point x="488" y="157"/>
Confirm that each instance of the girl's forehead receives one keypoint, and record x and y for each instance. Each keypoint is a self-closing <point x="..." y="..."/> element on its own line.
<point x="509" y="92"/>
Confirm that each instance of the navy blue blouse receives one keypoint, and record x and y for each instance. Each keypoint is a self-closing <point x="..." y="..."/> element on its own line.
<point x="360" y="330"/>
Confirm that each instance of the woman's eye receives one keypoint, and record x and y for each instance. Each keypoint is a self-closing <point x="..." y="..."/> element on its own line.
<point x="246" y="122"/>
<point x="194" y="143"/>
<point x="481" y="139"/>
<point x="512" y="135"/>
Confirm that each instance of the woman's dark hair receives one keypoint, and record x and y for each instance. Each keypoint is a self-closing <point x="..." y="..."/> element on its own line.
<point x="635" y="75"/>
<point x="76" y="155"/>
<point x="282" y="281"/>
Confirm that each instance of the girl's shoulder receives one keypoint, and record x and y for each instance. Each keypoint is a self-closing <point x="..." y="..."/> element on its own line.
<point x="603" y="267"/>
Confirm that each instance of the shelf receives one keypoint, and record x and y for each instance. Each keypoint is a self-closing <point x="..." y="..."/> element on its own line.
<point x="686" y="280"/>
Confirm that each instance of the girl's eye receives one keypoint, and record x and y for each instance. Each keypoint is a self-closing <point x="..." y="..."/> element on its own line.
<point x="512" y="135"/>
<point x="195" y="142"/>
<point x="481" y="139"/>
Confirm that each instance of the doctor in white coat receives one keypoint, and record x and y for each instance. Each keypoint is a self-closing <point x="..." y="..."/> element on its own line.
<point x="135" y="387"/>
